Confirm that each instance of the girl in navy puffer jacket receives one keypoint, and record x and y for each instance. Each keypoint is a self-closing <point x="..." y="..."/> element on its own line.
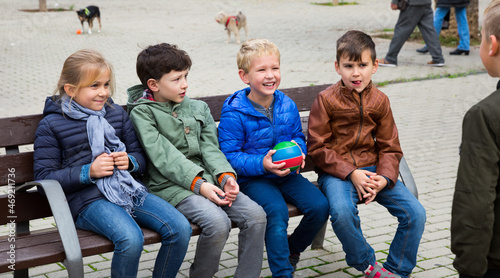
<point x="88" y="144"/>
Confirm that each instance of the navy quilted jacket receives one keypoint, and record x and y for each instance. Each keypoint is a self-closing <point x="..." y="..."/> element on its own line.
<point x="62" y="148"/>
<point x="246" y="135"/>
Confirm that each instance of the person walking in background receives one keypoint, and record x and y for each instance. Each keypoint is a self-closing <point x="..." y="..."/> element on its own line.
<point x="418" y="13"/>
<point x="442" y="9"/>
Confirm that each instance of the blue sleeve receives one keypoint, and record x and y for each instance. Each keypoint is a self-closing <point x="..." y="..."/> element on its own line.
<point x="232" y="140"/>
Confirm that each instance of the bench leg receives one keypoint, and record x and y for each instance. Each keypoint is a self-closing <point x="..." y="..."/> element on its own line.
<point x="21" y="273"/>
<point x="320" y="237"/>
<point x="65" y="225"/>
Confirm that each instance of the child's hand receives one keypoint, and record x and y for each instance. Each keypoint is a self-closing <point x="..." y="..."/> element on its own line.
<point x="212" y="193"/>
<point x="102" y="166"/>
<point x="377" y="184"/>
<point x="121" y="160"/>
<point x="364" y="184"/>
<point x="274" y="168"/>
<point x="232" y="188"/>
<point x="303" y="158"/>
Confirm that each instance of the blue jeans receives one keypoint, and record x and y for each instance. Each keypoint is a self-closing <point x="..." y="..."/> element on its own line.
<point x="399" y="201"/>
<point x="462" y="24"/>
<point x="113" y="222"/>
<point x="215" y="224"/>
<point x="272" y="194"/>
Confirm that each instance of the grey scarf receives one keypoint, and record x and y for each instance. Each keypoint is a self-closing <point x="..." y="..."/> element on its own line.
<point x="120" y="188"/>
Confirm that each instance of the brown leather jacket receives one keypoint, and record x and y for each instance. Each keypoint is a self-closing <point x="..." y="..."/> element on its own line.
<point x="350" y="130"/>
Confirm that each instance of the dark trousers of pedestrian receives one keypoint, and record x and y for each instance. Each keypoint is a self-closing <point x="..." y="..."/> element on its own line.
<point x="423" y="17"/>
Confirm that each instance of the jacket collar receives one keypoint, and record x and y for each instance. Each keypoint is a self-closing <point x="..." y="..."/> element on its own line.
<point x="239" y="101"/>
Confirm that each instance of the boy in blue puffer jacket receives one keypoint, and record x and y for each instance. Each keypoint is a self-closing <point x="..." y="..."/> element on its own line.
<point x="253" y="121"/>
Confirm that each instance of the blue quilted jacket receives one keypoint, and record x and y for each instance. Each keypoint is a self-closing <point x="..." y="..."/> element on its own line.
<point x="62" y="150"/>
<point x="246" y="135"/>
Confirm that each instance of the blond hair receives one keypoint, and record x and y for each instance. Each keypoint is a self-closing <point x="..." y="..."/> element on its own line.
<point x="491" y="23"/>
<point x="83" y="68"/>
<point x="255" y="48"/>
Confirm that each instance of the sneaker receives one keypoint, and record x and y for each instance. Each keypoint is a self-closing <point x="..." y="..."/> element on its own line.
<point x="294" y="259"/>
<point x="435" y="64"/>
<point x="383" y="63"/>
<point x="378" y="271"/>
<point x="423" y="50"/>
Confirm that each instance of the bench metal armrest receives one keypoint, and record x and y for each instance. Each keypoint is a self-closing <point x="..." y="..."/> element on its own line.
<point x="407" y="177"/>
<point x="65" y="224"/>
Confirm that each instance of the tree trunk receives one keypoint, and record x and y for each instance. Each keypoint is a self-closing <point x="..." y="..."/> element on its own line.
<point x="43" y="5"/>
<point x="473" y="17"/>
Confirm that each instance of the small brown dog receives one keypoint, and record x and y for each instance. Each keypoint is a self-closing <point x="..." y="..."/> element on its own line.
<point x="233" y="24"/>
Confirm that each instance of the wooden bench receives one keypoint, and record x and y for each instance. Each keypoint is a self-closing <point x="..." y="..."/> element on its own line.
<point x="23" y="248"/>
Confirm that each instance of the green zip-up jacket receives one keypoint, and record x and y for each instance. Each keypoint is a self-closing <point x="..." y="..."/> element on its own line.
<point x="475" y="215"/>
<point x="180" y="141"/>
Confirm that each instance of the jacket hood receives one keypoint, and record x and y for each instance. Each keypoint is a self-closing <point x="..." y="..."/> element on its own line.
<point x="53" y="105"/>
<point x="134" y="99"/>
<point x="134" y="94"/>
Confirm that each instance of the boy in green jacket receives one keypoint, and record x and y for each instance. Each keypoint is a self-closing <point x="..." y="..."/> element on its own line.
<point x="185" y="164"/>
<point x="475" y="214"/>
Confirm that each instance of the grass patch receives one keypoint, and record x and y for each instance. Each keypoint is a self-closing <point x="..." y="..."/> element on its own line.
<point x="416" y="36"/>
<point x="429" y="77"/>
<point x="331" y="3"/>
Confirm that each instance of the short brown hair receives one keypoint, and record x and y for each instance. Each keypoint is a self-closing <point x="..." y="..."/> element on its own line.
<point x="491" y="23"/>
<point x="352" y="45"/>
<point x="252" y="49"/>
<point x="157" y="60"/>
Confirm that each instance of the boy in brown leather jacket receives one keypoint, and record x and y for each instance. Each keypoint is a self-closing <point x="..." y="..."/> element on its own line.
<point x="353" y="141"/>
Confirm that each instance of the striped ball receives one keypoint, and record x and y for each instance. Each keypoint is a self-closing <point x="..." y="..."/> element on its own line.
<point x="289" y="153"/>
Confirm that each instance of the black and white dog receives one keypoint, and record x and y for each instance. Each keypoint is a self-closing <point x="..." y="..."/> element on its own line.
<point x="88" y="14"/>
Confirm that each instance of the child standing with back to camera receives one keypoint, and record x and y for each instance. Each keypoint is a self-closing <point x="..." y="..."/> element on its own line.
<point x="253" y="121"/>
<point x="88" y="144"/>
<point x="353" y="141"/>
<point x="475" y="213"/>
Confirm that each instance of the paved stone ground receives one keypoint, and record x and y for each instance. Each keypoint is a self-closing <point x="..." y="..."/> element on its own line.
<point x="428" y="107"/>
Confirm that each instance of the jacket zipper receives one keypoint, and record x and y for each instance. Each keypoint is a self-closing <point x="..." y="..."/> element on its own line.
<point x="360" y="127"/>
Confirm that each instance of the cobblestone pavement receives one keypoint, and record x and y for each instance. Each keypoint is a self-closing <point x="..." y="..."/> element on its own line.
<point x="428" y="103"/>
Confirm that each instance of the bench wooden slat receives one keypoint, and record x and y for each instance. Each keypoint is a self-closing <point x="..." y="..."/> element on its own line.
<point x="22" y="163"/>
<point x="18" y="130"/>
<point x="24" y="200"/>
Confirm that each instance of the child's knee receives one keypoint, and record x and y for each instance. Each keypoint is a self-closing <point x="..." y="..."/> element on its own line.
<point x="130" y="243"/>
<point x="181" y="231"/>
<point x="257" y="215"/>
<point x="341" y="212"/>
<point x="218" y="225"/>
<point x="277" y="211"/>
<point x="418" y="216"/>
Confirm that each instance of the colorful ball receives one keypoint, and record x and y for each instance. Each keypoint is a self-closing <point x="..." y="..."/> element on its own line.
<point x="78" y="31"/>
<point x="289" y="153"/>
